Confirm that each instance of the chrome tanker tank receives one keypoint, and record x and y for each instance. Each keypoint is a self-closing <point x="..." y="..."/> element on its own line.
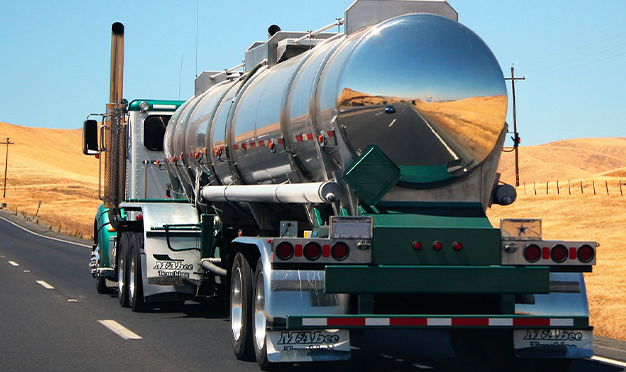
<point x="424" y="89"/>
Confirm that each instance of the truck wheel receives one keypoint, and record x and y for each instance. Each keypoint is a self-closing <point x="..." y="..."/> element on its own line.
<point x="101" y="285"/>
<point x="259" y="321"/>
<point x="122" y="270"/>
<point x="241" y="308"/>
<point x="135" y="283"/>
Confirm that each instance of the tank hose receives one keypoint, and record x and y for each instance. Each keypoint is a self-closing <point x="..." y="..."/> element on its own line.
<point x="250" y="74"/>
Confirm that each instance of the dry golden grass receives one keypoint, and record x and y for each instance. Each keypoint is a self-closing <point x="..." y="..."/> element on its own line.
<point x="47" y="165"/>
<point x="579" y="216"/>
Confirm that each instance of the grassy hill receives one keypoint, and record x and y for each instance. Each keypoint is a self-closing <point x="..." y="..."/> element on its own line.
<point x="47" y="165"/>
<point x="579" y="216"/>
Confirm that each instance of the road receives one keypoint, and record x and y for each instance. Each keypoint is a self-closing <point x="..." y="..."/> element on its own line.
<point x="404" y="135"/>
<point x="52" y="319"/>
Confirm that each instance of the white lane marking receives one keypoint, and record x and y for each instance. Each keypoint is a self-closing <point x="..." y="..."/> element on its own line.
<point x="44" y="284"/>
<point x="44" y="236"/>
<point x="454" y="155"/>
<point x="120" y="330"/>
<point x="13" y="263"/>
<point x="394" y="120"/>
<point x="609" y="361"/>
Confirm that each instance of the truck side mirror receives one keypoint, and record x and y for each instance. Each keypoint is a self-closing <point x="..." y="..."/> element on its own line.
<point x="90" y="137"/>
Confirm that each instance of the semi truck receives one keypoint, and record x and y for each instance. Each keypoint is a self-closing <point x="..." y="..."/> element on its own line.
<point x="336" y="182"/>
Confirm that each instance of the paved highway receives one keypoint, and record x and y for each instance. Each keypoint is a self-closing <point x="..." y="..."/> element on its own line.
<point x="52" y="319"/>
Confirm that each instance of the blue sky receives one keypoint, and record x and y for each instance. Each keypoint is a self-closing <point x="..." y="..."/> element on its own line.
<point x="55" y="56"/>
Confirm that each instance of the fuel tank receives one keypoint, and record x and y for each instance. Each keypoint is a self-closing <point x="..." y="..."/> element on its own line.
<point x="424" y="89"/>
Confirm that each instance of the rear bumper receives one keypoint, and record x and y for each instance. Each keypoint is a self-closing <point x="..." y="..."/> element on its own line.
<point x="437" y="279"/>
<point x="436" y="321"/>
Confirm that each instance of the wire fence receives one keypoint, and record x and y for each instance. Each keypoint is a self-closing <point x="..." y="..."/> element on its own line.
<point x="576" y="187"/>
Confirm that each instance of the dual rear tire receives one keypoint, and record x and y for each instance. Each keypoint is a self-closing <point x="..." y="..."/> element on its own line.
<point x="247" y="312"/>
<point x="129" y="271"/>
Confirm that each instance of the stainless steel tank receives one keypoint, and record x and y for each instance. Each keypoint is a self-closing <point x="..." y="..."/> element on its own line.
<point x="423" y="88"/>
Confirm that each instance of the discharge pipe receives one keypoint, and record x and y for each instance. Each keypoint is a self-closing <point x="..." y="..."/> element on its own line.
<point x="317" y="192"/>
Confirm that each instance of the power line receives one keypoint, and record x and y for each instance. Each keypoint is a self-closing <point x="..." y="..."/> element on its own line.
<point x="575" y="48"/>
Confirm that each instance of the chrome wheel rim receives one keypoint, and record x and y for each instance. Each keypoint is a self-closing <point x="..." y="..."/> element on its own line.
<point x="120" y="276"/>
<point x="131" y="279"/>
<point x="236" y="304"/>
<point x="259" y="313"/>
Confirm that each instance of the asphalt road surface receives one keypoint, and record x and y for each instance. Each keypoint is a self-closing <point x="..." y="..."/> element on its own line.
<point x="52" y="319"/>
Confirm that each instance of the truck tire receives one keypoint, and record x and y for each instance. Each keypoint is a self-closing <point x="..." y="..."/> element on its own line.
<point x="101" y="285"/>
<point x="135" y="283"/>
<point x="122" y="269"/>
<point x="241" y="308"/>
<point x="259" y="322"/>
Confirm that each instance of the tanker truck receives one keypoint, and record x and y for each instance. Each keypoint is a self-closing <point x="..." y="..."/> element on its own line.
<point x="337" y="183"/>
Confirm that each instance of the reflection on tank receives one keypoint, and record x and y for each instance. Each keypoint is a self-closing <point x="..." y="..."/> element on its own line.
<point x="454" y="136"/>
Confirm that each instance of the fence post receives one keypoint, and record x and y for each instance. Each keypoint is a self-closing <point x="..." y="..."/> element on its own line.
<point x="620" y="186"/>
<point x="569" y="187"/>
<point x="582" y="191"/>
<point x="557" y="188"/>
<point x="593" y="183"/>
<point x="547" y="189"/>
<point x="606" y="183"/>
<point x="535" y="187"/>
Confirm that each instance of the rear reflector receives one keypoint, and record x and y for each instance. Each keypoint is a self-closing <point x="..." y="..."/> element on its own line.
<point x="312" y="251"/>
<point x="340" y="251"/>
<point x="559" y="253"/>
<point x="284" y="251"/>
<point x="532" y="253"/>
<point x="586" y="253"/>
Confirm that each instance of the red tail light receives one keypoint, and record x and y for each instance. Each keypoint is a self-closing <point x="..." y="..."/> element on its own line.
<point x="312" y="251"/>
<point x="457" y="246"/>
<point x="586" y="253"/>
<point x="340" y="251"/>
<point x="532" y="253"/>
<point x="437" y="246"/>
<point x="284" y="251"/>
<point x="559" y="253"/>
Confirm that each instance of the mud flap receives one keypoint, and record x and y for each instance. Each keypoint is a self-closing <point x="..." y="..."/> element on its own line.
<point x="553" y="343"/>
<point x="308" y="346"/>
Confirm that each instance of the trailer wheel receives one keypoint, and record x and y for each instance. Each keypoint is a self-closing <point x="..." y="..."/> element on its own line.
<point x="241" y="308"/>
<point x="135" y="283"/>
<point x="122" y="269"/>
<point x="259" y="321"/>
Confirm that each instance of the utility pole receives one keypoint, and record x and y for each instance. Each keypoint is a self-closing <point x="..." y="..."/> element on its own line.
<point x="6" y="165"/>
<point x="516" y="138"/>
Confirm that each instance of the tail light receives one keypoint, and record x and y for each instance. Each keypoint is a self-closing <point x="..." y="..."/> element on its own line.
<point x="340" y="251"/>
<point x="312" y="251"/>
<point x="284" y="251"/>
<point x="457" y="246"/>
<point x="532" y="253"/>
<point x="559" y="253"/>
<point x="586" y="253"/>
<point x="437" y="246"/>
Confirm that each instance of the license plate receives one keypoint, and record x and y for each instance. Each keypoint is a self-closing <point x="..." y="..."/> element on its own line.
<point x="538" y="338"/>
